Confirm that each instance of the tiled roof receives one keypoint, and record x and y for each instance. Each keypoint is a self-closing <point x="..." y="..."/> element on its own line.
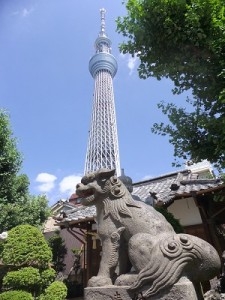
<point x="163" y="189"/>
<point x="175" y="185"/>
<point x="158" y="187"/>
<point x="79" y="214"/>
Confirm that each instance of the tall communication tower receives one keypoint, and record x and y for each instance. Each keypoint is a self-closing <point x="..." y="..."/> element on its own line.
<point x="103" y="150"/>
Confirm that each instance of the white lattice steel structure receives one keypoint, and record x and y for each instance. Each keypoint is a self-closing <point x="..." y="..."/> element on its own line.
<point x="103" y="150"/>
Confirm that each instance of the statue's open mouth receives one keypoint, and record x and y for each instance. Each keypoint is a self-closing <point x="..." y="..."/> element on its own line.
<point x="86" y="195"/>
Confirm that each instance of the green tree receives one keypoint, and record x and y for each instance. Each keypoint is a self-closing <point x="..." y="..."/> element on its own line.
<point x="183" y="40"/>
<point x="10" y="162"/>
<point x="56" y="291"/>
<point x="59" y="251"/>
<point x="16" y="295"/>
<point x="27" y="279"/>
<point x="28" y="257"/>
<point x="26" y="246"/>
<point x="17" y="206"/>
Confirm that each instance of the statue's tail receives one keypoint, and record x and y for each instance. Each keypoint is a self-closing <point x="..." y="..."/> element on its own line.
<point x="173" y="257"/>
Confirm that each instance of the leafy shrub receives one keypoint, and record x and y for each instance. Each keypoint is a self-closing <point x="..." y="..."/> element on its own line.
<point x="74" y="289"/>
<point x="56" y="291"/>
<point x="171" y="219"/>
<point x="59" y="250"/>
<point x="16" y="295"/>
<point x="47" y="277"/>
<point x="27" y="279"/>
<point x="1" y="247"/>
<point x="26" y="246"/>
<point x="28" y="251"/>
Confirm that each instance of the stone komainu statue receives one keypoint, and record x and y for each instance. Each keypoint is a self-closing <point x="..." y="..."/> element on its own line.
<point x="139" y="247"/>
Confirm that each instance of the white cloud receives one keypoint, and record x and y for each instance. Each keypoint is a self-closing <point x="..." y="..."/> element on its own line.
<point x="47" y="182"/>
<point x="57" y="188"/>
<point x="26" y="12"/>
<point x="131" y="61"/>
<point x="146" y="177"/>
<point x="68" y="184"/>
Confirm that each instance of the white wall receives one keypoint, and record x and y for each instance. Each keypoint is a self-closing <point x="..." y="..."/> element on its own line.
<point x="186" y="211"/>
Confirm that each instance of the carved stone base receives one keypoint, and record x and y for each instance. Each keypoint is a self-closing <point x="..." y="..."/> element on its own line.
<point x="183" y="290"/>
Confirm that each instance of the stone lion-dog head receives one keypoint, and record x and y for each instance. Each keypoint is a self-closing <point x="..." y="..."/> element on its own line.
<point x="103" y="189"/>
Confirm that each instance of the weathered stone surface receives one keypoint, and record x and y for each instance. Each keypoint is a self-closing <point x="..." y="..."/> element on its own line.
<point x="183" y="290"/>
<point x="214" y="295"/>
<point x="133" y="234"/>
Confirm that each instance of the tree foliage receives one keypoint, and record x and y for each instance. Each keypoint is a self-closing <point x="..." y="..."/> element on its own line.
<point x="30" y="279"/>
<point x="171" y="219"/>
<point x="26" y="246"/>
<point x="47" y="277"/>
<point x="10" y="162"/>
<point x="59" y="251"/>
<point x="183" y="40"/>
<point x="56" y="291"/>
<point x="27" y="279"/>
<point x="28" y="257"/>
<point x="16" y="204"/>
<point x="16" y="295"/>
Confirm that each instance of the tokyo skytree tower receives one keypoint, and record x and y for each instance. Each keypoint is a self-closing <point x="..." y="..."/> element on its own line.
<point x="103" y="150"/>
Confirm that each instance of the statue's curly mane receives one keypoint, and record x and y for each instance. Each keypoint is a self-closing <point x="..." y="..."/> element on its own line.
<point x="118" y="201"/>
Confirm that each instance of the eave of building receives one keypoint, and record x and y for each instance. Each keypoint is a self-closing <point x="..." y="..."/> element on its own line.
<point x="78" y="223"/>
<point x="77" y="215"/>
<point x="198" y="187"/>
<point x="165" y="189"/>
<point x="56" y="210"/>
<point x="160" y="177"/>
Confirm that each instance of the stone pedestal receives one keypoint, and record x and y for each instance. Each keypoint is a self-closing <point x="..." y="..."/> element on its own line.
<point x="183" y="290"/>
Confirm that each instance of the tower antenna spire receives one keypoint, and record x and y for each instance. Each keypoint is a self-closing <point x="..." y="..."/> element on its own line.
<point x="102" y="12"/>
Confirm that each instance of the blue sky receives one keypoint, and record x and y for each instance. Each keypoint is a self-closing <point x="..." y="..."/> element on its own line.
<point x="47" y="89"/>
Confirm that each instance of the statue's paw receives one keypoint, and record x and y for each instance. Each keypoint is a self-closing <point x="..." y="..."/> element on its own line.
<point x="126" y="279"/>
<point x="99" y="281"/>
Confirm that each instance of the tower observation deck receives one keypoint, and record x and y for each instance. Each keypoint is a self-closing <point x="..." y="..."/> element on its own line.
<point x="102" y="149"/>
